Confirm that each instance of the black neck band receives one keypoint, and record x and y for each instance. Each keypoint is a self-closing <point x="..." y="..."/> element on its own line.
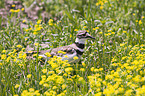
<point x="82" y="46"/>
<point x="79" y="52"/>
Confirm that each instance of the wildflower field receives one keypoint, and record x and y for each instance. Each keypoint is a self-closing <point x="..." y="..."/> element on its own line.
<point x="111" y="65"/>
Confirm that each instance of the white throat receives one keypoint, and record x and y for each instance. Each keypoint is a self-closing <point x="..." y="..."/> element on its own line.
<point x="80" y="41"/>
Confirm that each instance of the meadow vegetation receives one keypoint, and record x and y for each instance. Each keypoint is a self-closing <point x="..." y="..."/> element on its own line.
<point x="112" y="65"/>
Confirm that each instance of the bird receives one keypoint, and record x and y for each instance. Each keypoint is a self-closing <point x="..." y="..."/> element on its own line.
<point x="69" y="52"/>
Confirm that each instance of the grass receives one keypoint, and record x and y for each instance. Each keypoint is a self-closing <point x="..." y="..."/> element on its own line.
<point x="111" y="65"/>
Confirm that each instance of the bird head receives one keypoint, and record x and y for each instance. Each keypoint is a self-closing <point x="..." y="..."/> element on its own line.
<point x="83" y="34"/>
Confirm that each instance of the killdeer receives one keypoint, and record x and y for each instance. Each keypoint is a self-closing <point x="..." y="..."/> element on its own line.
<point x="70" y="51"/>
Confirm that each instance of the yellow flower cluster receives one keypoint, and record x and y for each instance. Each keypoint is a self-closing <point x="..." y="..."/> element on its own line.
<point x="68" y="70"/>
<point x="19" y="46"/>
<point x="139" y="22"/>
<point x="109" y="33"/>
<point x="36" y="29"/>
<point x="3" y="57"/>
<point x="17" y="85"/>
<point x="128" y="79"/>
<point x="29" y="76"/>
<point x="126" y="75"/>
<point x="62" y="52"/>
<point x="48" y="54"/>
<point x="101" y="3"/>
<point x="55" y="77"/>
<point x="17" y="10"/>
<point x="95" y="28"/>
<point x="52" y="82"/>
<point x="50" y="22"/>
<point x="31" y="92"/>
<point x="76" y="30"/>
<point x="22" y="55"/>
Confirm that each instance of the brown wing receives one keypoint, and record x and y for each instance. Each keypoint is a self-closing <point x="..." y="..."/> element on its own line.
<point x="54" y="52"/>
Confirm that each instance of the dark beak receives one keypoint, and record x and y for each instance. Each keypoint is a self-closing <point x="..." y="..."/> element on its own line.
<point x="92" y="37"/>
<point x="89" y="36"/>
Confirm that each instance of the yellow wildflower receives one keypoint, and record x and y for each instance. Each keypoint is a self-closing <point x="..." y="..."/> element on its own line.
<point x="112" y="32"/>
<point x="101" y="7"/>
<point x="62" y="52"/>
<point x="48" y="54"/>
<point x="140" y="22"/>
<point x="4" y="51"/>
<point x="39" y="21"/>
<point x="35" y="33"/>
<point x="54" y="65"/>
<point x="50" y="72"/>
<point x="36" y="44"/>
<point x="109" y="33"/>
<point x="24" y="93"/>
<point x="17" y="85"/>
<point x="44" y="70"/>
<point x="41" y="82"/>
<point x="85" y="27"/>
<point x="100" y="69"/>
<point x="30" y="51"/>
<point x="43" y="76"/>
<point x="64" y="86"/>
<point x="96" y="70"/>
<point x="31" y="89"/>
<point x="29" y="76"/>
<point x="80" y="79"/>
<point x="83" y="64"/>
<point x="82" y="69"/>
<point x="19" y="46"/>
<point x="90" y="90"/>
<point x="96" y="27"/>
<point x="100" y="32"/>
<point x="54" y="87"/>
<point x="13" y="5"/>
<point x="66" y="56"/>
<point x="11" y="10"/>
<point x="37" y="93"/>
<point x="76" y="30"/>
<point x="46" y="85"/>
<point x="109" y="30"/>
<point x="24" y="21"/>
<point x="70" y="35"/>
<point x="92" y="69"/>
<point x="3" y="57"/>
<point x="97" y="4"/>
<point x="69" y="69"/>
<point x="75" y="58"/>
<point x="47" y="93"/>
<point x="128" y="92"/>
<point x="50" y="22"/>
<point x="65" y="74"/>
<point x="124" y="31"/>
<point x="98" y="94"/>
<point x="22" y="9"/>
<point x="40" y="57"/>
